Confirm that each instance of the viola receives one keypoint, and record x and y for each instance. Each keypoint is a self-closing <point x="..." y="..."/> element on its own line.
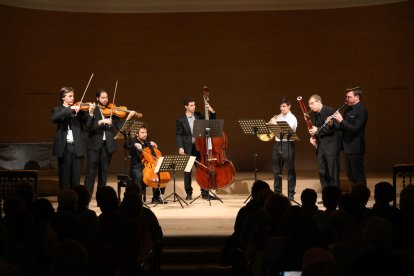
<point x="149" y="157"/>
<point x="119" y="111"/>
<point x="215" y="170"/>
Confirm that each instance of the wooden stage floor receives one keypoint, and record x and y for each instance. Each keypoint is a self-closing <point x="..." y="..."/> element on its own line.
<point x="201" y="218"/>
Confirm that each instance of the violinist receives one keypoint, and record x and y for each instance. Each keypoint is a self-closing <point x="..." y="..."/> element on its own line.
<point x="101" y="143"/>
<point x="136" y="145"/>
<point x="186" y="141"/>
<point x="69" y="145"/>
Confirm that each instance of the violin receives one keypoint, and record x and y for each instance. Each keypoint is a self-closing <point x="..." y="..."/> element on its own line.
<point x="216" y="171"/>
<point x="83" y="106"/>
<point x="119" y="111"/>
<point x="149" y="157"/>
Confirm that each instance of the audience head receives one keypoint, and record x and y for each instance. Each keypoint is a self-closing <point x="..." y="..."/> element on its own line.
<point x="67" y="200"/>
<point x="330" y="197"/>
<point x="362" y="193"/>
<point x="407" y="198"/>
<point x="257" y="186"/>
<point x="26" y="192"/>
<point x="384" y="193"/>
<point x="43" y="210"/>
<point x="69" y="259"/>
<point x="318" y="261"/>
<point x="131" y="205"/>
<point x="84" y="197"/>
<point x="308" y="197"/>
<point x="107" y="199"/>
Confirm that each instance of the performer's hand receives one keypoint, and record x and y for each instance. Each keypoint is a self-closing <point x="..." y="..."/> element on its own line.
<point x="313" y="142"/>
<point x="91" y="108"/>
<point x="338" y="117"/>
<point x="153" y="144"/>
<point x="75" y="107"/>
<point x="313" y="130"/>
<point x="210" y="108"/>
<point x="130" y="115"/>
<point x="106" y="121"/>
<point x="181" y="151"/>
<point x="138" y="146"/>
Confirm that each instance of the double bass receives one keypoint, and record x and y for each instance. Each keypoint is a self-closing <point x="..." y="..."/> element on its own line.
<point x="214" y="171"/>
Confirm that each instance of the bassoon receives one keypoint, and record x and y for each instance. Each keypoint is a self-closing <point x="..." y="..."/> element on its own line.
<point x="305" y="114"/>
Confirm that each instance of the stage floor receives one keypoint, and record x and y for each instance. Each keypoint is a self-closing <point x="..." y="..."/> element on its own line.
<point x="201" y="218"/>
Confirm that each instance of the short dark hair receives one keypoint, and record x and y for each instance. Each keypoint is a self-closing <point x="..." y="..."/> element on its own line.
<point x="356" y="89"/>
<point x="99" y="92"/>
<point x="187" y="100"/>
<point x="285" y="100"/>
<point x="64" y="90"/>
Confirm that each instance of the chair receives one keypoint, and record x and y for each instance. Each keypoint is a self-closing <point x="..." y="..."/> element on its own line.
<point x="123" y="181"/>
<point x="404" y="171"/>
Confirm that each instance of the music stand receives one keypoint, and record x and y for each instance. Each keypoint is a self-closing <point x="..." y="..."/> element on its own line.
<point x="129" y="128"/>
<point x="175" y="163"/>
<point x="282" y="130"/>
<point x="208" y="129"/>
<point x="254" y="127"/>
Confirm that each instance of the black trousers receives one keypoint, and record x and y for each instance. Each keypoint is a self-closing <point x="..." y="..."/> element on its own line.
<point x="70" y="167"/>
<point x="354" y="164"/>
<point x="188" y="176"/>
<point x="284" y="154"/>
<point x="328" y="169"/>
<point x="136" y="176"/>
<point x="100" y="160"/>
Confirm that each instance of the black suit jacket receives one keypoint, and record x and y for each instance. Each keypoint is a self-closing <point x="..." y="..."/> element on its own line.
<point x="329" y="137"/>
<point x="62" y="116"/>
<point x="96" y="131"/>
<point x="183" y="131"/>
<point x="353" y="128"/>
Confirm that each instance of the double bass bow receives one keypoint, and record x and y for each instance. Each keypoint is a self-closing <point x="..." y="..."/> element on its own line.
<point x="215" y="170"/>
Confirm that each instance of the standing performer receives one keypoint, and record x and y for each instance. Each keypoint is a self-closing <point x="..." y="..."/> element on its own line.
<point x="101" y="143"/>
<point x="353" y="135"/>
<point x="186" y="141"/>
<point x="69" y="144"/>
<point x="284" y="151"/>
<point x="136" y="145"/>
<point x="327" y="141"/>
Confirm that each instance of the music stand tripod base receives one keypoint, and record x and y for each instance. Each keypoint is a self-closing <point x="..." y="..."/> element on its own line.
<point x="175" y="163"/>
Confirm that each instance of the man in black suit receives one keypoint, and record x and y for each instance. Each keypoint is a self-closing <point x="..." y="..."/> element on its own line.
<point x="327" y="141"/>
<point x="353" y="124"/>
<point x="185" y="140"/>
<point x="69" y="144"/>
<point x="101" y="143"/>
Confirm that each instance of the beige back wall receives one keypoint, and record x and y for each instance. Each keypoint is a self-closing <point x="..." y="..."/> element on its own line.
<point x="248" y="60"/>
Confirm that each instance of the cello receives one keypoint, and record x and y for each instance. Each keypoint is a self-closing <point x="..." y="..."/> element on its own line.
<point x="149" y="157"/>
<point x="215" y="171"/>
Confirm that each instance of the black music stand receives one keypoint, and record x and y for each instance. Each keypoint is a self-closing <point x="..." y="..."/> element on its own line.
<point x="175" y="163"/>
<point x="254" y="127"/>
<point x="208" y="129"/>
<point x="283" y="130"/>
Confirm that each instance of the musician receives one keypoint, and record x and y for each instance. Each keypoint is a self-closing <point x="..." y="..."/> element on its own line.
<point x="284" y="151"/>
<point x="186" y="141"/>
<point x="137" y="144"/>
<point x="69" y="145"/>
<point x="101" y="143"/>
<point x="327" y="141"/>
<point x="352" y="125"/>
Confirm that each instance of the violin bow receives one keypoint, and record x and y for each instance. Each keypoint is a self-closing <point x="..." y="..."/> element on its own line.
<point x="84" y="92"/>
<point x="113" y="100"/>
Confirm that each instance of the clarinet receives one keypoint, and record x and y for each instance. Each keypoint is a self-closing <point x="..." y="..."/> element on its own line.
<point x="330" y="117"/>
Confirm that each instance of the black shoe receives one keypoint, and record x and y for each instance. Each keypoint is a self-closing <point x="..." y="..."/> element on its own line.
<point x="188" y="197"/>
<point x="158" y="201"/>
<point x="209" y="197"/>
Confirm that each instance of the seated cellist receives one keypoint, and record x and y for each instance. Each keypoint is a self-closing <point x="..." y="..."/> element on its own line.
<point x="136" y="146"/>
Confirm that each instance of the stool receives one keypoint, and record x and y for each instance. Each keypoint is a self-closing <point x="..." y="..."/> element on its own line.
<point x="123" y="181"/>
